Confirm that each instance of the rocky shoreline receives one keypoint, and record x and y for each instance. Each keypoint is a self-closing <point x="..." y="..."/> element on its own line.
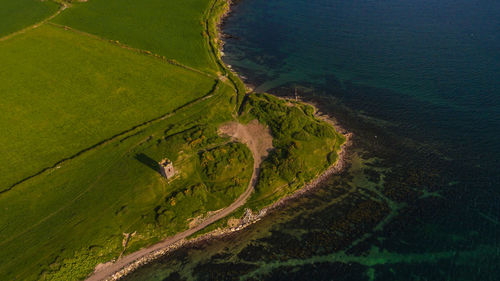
<point x="336" y="168"/>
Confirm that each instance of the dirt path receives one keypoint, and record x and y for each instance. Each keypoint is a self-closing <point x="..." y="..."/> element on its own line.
<point x="254" y="135"/>
<point x="259" y="141"/>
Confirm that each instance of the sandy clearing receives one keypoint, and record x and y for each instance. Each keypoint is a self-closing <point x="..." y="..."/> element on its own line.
<point x="255" y="135"/>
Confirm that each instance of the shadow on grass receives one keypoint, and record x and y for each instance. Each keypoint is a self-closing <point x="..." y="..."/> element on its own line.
<point x="148" y="162"/>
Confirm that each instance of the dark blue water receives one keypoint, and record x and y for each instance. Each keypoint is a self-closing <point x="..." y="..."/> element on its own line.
<point x="418" y="82"/>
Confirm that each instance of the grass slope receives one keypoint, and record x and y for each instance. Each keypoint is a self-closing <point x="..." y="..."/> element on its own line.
<point x="170" y="28"/>
<point x="63" y="92"/>
<point x="59" y="225"/>
<point x="18" y="14"/>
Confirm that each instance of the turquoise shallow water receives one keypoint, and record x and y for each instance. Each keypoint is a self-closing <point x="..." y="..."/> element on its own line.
<point x="418" y="82"/>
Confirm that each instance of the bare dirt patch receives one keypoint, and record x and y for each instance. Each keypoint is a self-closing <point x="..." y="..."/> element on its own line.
<point x="255" y="135"/>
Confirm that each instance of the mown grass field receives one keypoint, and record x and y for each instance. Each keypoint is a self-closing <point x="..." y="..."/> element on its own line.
<point x="63" y="92"/>
<point x="18" y="14"/>
<point x="76" y="92"/>
<point x="170" y="28"/>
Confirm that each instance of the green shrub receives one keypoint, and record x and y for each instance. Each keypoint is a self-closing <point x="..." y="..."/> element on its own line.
<point x="332" y="157"/>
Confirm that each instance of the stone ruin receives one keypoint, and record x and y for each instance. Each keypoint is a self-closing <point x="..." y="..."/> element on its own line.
<point x="166" y="168"/>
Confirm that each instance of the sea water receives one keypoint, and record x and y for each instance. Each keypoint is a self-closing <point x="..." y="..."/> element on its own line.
<point x="418" y="83"/>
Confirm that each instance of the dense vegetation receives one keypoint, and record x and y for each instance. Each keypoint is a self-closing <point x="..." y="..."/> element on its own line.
<point x="304" y="146"/>
<point x="221" y="167"/>
<point x="85" y="120"/>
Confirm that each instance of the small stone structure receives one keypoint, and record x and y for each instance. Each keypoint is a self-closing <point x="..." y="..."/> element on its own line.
<point x="167" y="168"/>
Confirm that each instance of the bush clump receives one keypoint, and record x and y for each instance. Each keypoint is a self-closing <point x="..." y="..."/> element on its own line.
<point x="222" y="161"/>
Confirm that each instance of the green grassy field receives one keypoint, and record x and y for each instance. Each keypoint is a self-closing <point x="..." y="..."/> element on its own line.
<point x="18" y="14"/>
<point x="170" y="28"/>
<point x="63" y="92"/>
<point x="107" y="114"/>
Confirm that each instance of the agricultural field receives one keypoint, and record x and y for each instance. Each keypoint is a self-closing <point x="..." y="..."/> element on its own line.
<point x="174" y="29"/>
<point x="85" y="120"/>
<point x="18" y="14"/>
<point x="63" y="92"/>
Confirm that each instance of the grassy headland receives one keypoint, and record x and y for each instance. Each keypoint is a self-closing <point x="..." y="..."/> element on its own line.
<point x="304" y="146"/>
<point x="86" y="119"/>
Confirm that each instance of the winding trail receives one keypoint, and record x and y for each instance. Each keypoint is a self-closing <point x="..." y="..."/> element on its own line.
<point x="259" y="141"/>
